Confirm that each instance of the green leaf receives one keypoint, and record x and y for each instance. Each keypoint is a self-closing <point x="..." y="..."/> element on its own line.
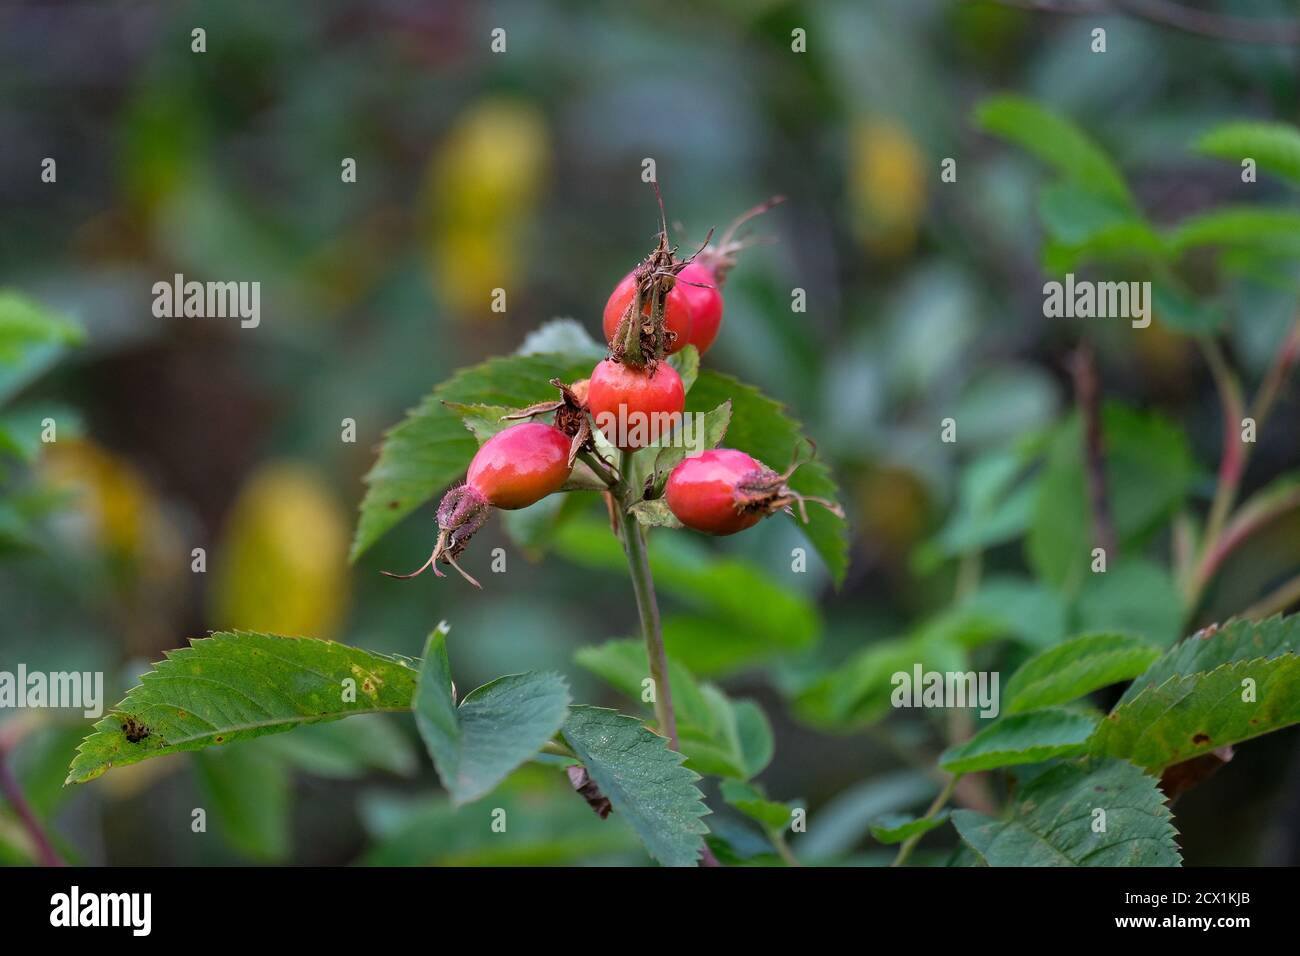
<point x="858" y="692"/>
<point x="483" y="421"/>
<point x="1136" y="597"/>
<point x="495" y="729"/>
<point x="1021" y="738"/>
<point x="1033" y="613"/>
<point x="896" y="827"/>
<point x="686" y="362"/>
<point x="718" y="735"/>
<point x="247" y="789"/>
<point x="1239" y="226"/>
<point x="1066" y="672"/>
<point x="1129" y="243"/>
<point x="31" y="339"/>
<point x="714" y="430"/>
<point x="1210" y="649"/>
<point x="1052" y="822"/>
<point x="1149" y="470"/>
<point x="740" y="614"/>
<point x="1073" y="213"/>
<point x="20" y="429"/>
<point x="347" y="749"/>
<point x="750" y="801"/>
<point x="431" y="448"/>
<point x="1177" y="307"/>
<point x="236" y="685"/>
<point x="994" y="504"/>
<point x="562" y="337"/>
<point x="842" y="822"/>
<point x="644" y="780"/>
<point x="761" y="428"/>
<point x="1190" y="715"/>
<point x="1275" y="147"/>
<point x="548" y="825"/>
<point x="1056" y="141"/>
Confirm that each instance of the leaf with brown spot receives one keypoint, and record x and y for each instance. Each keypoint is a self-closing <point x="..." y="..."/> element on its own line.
<point x="233" y="686"/>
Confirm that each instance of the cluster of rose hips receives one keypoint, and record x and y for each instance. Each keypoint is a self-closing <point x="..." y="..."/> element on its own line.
<point x="659" y="308"/>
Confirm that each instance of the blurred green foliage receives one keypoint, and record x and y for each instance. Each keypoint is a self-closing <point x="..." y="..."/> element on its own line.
<point x="924" y="302"/>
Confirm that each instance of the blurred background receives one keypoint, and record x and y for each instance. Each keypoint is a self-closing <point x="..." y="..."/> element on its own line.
<point x="522" y="170"/>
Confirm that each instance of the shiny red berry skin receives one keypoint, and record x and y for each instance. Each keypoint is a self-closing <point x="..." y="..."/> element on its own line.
<point x="701" y="491"/>
<point x="520" y="465"/>
<point x="705" y="301"/>
<point x="632" y="406"/>
<point x="677" y="311"/>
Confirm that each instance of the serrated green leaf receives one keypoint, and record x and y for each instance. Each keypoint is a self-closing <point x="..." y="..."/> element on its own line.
<point x="430" y="448"/>
<point x="761" y="428"/>
<point x="1021" y="738"/>
<point x="495" y="729"/>
<point x="1275" y="147"/>
<point x="896" y="827"/>
<point x="718" y="735"/>
<point x="1053" y="821"/>
<point x="1066" y="672"/>
<point x="644" y="780"/>
<point x="1056" y="141"/>
<point x="751" y="801"/>
<point x="1190" y="715"/>
<point x="1207" y="650"/>
<point x="236" y="685"/>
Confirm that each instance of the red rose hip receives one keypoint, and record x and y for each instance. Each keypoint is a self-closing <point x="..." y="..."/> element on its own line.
<point x="699" y="286"/>
<point x="632" y="406"/>
<point x="520" y="465"/>
<point x="677" y="312"/>
<point x="701" y="491"/>
<point x="723" y="491"/>
<point x="515" y="468"/>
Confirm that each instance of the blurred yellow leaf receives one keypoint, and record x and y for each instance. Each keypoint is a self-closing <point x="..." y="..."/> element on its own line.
<point x="112" y="505"/>
<point x="481" y="191"/>
<point x="281" y="563"/>
<point x="887" y="186"/>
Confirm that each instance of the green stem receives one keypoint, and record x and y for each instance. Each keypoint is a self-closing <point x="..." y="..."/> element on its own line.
<point x="910" y="843"/>
<point x="783" y="848"/>
<point x="648" y="609"/>
<point x="1236" y="454"/>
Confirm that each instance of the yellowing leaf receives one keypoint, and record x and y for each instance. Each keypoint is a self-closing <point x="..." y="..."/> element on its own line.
<point x="280" y="564"/>
<point x="481" y="190"/>
<point x="886" y="185"/>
